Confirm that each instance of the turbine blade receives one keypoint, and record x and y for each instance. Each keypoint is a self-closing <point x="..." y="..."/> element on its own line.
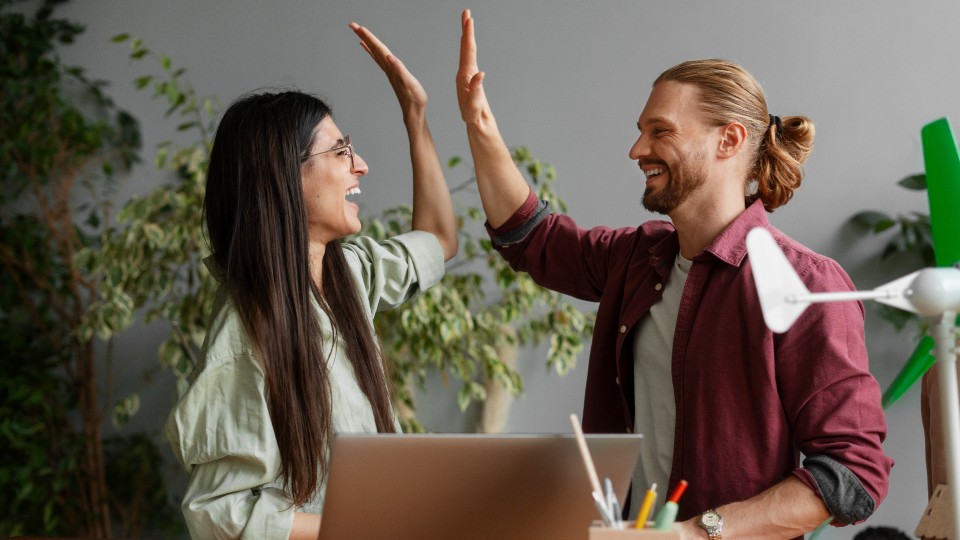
<point x="776" y="280"/>
<point x="942" y="163"/>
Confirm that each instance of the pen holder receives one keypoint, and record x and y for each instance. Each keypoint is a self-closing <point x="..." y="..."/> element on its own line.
<point x="601" y="532"/>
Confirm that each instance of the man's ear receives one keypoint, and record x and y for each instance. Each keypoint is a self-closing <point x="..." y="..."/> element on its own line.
<point x="732" y="138"/>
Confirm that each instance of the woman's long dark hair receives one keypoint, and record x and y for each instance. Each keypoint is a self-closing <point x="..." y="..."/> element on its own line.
<point x="256" y="220"/>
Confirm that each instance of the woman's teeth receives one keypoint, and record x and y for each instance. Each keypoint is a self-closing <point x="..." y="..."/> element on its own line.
<point x="352" y="191"/>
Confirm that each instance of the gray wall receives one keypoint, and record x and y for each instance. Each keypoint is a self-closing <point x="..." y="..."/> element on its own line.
<point x="569" y="79"/>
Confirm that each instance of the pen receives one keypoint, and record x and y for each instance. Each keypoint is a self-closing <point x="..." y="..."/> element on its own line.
<point x="598" y="499"/>
<point x="613" y="504"/>
<point x="646" y="506"/>
<point x="668" y="514"/>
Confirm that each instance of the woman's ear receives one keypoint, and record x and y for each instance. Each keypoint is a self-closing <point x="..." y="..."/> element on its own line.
<point x="732" y="138"/>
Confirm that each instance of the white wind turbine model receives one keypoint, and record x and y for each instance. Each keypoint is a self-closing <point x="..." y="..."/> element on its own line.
<point x="932" y="292"/>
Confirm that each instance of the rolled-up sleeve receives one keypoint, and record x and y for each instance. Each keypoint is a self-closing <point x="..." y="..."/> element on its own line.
<point x="394" y="270"/>
<point x="834" y="402"/>
<point x="222" y="434"/>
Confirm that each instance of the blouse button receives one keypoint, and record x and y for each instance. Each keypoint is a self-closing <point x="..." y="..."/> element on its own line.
<point x="623" y="328"/>
<point x="658" y="286"/>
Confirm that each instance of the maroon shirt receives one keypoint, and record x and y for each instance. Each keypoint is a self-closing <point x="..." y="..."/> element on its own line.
<point x="748" y="401"/>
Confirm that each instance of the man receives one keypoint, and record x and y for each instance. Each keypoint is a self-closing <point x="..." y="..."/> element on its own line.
<point x="680" y="352"/>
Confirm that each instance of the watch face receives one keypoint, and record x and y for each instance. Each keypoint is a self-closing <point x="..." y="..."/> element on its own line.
<point x="710" y="519"/>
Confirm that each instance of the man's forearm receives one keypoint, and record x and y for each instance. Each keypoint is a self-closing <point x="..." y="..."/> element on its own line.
<point x="786" y="510"/>
<point x="502" y="188"/>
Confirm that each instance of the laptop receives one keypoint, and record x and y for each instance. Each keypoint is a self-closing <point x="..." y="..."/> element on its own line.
<point x="469" y="486"/>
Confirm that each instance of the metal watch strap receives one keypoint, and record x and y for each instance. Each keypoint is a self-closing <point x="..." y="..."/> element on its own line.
<point x="714" y="532"/>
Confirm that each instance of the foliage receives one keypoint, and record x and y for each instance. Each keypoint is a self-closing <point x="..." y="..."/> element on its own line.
<point x="38" y="449"/>
<point x="908" y="234"/>
<point x="62" y="149"/>
<point x="153" y="259"/>
<point x="143" y="503"/>
<point x="458" y="327"/>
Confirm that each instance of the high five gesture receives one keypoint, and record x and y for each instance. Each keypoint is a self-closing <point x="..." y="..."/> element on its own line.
<point x="502" y="187"/>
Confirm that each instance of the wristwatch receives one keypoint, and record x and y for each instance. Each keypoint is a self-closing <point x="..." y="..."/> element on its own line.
<point x="712" y="522"/>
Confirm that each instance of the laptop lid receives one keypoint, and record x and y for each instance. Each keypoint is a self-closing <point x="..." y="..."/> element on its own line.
<point x="469" y="486"/>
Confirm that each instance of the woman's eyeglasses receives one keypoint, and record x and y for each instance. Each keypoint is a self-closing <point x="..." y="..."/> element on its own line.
<point x="346" y="148"/>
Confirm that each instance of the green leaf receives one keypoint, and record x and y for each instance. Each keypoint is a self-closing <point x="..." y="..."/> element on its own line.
<point x="160" y="160"/>
<point x="872" y="219"/>
<point x="883" y="225"/>
<point x="208" y="107"/>
<point x="141" y="82"/>
<point x="124" y="410"/>
<point x="119" y="38"/>
<point x="153" y="232"/>
<point x="463" y="400"/>
<point x="173" y="95"/>
<point x="917" y="182"/>
<point x="453" y="162"/>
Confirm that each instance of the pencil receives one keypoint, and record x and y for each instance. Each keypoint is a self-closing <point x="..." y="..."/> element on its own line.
<point x="646" y="506"/>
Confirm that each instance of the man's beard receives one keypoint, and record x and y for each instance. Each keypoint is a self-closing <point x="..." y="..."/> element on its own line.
<point x="685" y="179"/>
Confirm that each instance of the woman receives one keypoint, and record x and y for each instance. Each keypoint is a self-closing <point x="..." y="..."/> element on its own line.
<point x="291" y="358"/>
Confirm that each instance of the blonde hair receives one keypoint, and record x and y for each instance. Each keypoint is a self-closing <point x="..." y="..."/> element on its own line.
<point x="728" y="93"/>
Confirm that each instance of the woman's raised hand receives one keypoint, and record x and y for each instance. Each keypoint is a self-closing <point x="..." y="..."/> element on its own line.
<point x="432" y="208"/>
<point x="470" y="95"/>
<point x="410" y="92"/>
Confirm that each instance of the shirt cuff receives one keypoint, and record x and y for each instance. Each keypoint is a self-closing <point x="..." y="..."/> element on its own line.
<point x="840" y="489"/>
<point x="272" y="516"/>
<point x="426" y="254"/>
<point x="519" y="225"/>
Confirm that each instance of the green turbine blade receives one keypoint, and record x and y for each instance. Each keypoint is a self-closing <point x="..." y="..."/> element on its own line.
<point x="942" y="162"/>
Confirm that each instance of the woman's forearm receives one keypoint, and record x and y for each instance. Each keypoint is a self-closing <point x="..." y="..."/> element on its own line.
<point x="432" y="207"/>
<point x="305" y="526"/>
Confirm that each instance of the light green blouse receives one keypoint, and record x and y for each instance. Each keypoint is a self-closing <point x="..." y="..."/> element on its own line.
<point x="221" y="431"/>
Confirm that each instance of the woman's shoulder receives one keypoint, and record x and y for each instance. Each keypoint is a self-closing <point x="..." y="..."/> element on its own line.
<point x="414" y="253"/>
<point x="226" y="338"/>
<point x="390" y="272"/>
<point x="412" y="244"/>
